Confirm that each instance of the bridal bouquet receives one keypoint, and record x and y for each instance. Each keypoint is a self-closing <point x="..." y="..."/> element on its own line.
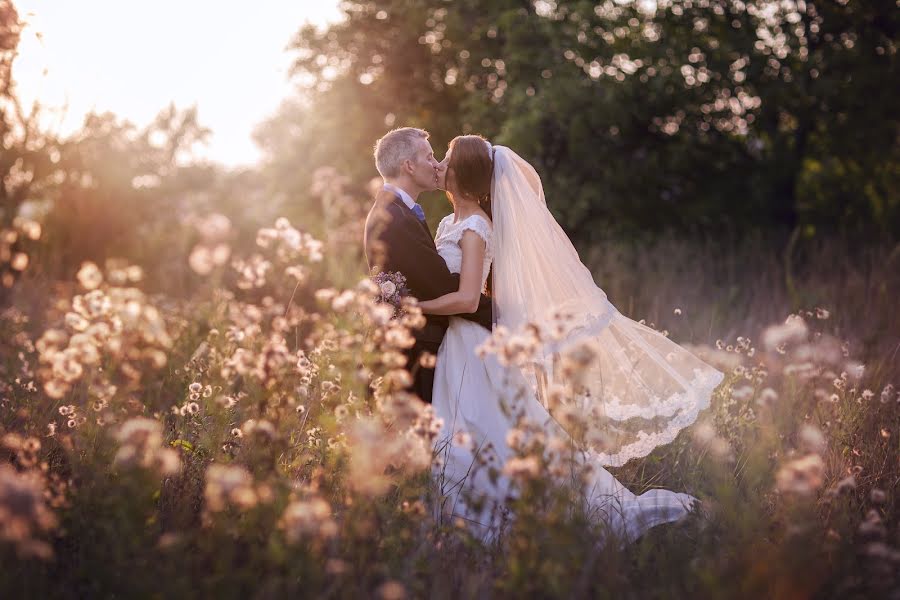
<point x="391" y="289"/>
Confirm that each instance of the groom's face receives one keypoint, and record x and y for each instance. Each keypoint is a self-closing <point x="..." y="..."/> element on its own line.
<point x="424" y="167"/>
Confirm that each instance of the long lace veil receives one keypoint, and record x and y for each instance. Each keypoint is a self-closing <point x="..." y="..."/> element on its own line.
<point x="619" y="387"/>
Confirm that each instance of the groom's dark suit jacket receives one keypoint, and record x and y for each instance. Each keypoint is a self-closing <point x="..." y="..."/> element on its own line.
<point x="396" y="240"/>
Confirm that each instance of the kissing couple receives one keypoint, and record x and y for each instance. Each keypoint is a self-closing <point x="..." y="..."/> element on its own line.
<point x="501" y="264"/>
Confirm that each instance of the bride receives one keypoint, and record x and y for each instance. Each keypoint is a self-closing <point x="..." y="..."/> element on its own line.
<point x="579" y="372"/>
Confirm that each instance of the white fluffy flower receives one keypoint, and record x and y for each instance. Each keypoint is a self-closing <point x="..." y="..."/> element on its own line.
<point x="793" y="330"/>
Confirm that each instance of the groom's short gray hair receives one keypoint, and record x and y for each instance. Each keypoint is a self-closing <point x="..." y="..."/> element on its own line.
<point x="396" y="146"/>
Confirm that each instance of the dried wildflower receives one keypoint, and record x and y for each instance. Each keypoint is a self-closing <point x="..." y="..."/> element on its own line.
<point x="767" y="397"/>
<point x="877" y="496"/>
<point x="374" y="448"/>
<point x="200" y="260"/>
<point x="721" y="449"/>
<point x="393" y="359"/>
<point x="260" y="428"/>
<point x="515" y="438"/>
<point x="397" y="379"/>
<point x="141" y="444"/>
<point x="742" y="393"/>
<point x="855" y="370"/>
<point x="336" y="566"/>
<point x="847" y="484"/>
<point x="399" y="337"/>
<point x="308" y="518"/>
<point x="31" y="229"/>
<point x="297" y="272"/>
<point x="168" y="540"/>
<point x="167" y="462"/>
<point x="391" y="590"/>
<point x="19" y="261"/>
<point x="523" y="468"/>
<point x="703" y="432"/>
<point x="401" y="408"/>
<point x="793" y="330"/>
<point x="213" y="227"/>
<point x="717" y="357"/>
<point x="23" y="513"/>
<point x="879" y="551"/>
<point x="212" y="251"/>
<point x="427" y="360"/>
<point x="812" y="439"/>
<point x="265" y="237"/>
<point x="367" y="287"/>
<point x="463" y="440"/>
<point x="251" y="271"/>
<point x="801" y="476"/>
<point x="229" y="485"/>
<point x="325" y="295"/>
<point x="343" y="301"/>
<point x="12" y="441"/>
<point x="872" y="527"/>
<point x="89" y="276"/>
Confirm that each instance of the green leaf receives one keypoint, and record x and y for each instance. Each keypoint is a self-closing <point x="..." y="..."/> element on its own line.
<point x="186" y="445"/>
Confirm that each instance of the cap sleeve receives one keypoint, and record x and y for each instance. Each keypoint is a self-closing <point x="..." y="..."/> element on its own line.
<point x="479" y="225"/>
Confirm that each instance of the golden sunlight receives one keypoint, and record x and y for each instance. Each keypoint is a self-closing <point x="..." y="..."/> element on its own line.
<point x="133" y="58"/>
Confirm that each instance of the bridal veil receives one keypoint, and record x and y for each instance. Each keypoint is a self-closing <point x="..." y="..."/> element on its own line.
<point x="619" y="387"/>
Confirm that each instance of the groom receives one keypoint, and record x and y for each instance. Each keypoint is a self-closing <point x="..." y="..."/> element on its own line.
<point x="397" y="238"/>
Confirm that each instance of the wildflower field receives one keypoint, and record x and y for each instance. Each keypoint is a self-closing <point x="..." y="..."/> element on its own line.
<point x="201" y="398"/>
<point x="247" y="435"/>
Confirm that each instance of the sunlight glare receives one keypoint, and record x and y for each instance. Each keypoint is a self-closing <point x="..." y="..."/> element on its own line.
<point x="134" y="58"/>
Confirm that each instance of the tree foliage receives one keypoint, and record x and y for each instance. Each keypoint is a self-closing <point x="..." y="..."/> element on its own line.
<point x="697" y="115"/>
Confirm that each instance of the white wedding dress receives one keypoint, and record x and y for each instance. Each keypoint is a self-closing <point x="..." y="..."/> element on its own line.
<point x="649" y="387"/>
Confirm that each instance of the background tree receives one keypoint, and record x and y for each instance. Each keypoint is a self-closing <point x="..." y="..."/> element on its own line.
<point x="707" y="116"/>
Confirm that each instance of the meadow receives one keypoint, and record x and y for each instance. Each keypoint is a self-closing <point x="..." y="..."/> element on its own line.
<point x="200" y="397"/>
<point x="249" y="436"/>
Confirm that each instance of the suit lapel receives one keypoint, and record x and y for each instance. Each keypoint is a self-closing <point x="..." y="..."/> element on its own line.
<point x="410" y="214"/>
<point x="424" y="224"/>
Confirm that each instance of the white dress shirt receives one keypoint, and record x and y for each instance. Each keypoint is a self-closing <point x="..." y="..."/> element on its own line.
<point x="407" y="199"/>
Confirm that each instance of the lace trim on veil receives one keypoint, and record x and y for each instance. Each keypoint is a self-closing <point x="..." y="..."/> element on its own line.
<point x="701" y="389"/>
<point x="686" y="404"/>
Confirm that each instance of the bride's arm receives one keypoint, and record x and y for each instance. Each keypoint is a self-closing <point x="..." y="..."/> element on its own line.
<point x="465" y="299"/>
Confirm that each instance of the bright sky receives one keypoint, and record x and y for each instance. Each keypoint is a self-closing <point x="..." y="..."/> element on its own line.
<point x="133" y="57"/>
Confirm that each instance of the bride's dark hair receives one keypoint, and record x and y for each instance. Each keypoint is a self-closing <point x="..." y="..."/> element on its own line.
<point x="473" y="170"/>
